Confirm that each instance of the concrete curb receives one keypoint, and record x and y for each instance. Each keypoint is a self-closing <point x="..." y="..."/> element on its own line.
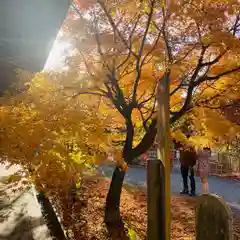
<point x="235" y="208"/>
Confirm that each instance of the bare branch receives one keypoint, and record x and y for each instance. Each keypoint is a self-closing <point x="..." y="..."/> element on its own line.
<point x="165" y="37"/>
<point x="114" y="27"/>
<point x="199" y="33"/>
<point x="212" y="78"/>
<point x="152" y="111"/>
<point x="185" y="55"/>
<point x="99" y="48"/>
<point x="220" y="93"/>
<point x="133" y="69"/>
<point x="146" y="29"/>
<point x="143" y="119"/>
<point x="181" y="84"/>
<point x="126" y="70"/>
<point x="236" y="25"/>
<point x="76" y="10"/>
<point x="152" y="49"/>
<point x="176" y="89"/>
<point x="89" y="93"/>
<point x="142" y="95"/>
<point x="209" y="85"/>
<point x="147" y="100"/>
<point x="216" y="59"/>
<point x="130" y="46"/>
<point x="147" y="140"/>
<point x="86" y="65"/>
<point x="186" y="106"/>
<point x="138" y="62"/>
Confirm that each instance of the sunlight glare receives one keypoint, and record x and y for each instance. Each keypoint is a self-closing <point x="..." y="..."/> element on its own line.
<point x="60" y="50"/>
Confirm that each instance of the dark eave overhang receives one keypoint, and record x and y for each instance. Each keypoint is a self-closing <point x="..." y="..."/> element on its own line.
<point x="28" y="29"/>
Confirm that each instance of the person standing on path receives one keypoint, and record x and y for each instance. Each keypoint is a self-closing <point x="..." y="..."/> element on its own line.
<point x="203" y="156"/>
<point x="188" y="159"/>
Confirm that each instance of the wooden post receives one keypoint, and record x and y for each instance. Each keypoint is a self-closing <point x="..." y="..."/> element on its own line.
<point x="213" y="218"/>
<point x="163" y="137"/>
<point x="156" y="195"/>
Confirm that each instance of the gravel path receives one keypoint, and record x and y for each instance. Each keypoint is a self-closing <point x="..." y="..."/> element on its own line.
<point x="20" y="215"/>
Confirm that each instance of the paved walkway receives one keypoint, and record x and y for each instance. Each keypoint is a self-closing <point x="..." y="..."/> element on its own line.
<point x="227" y="189"/>
<point x="20" y="215"/>
<point x="21" y="219"/>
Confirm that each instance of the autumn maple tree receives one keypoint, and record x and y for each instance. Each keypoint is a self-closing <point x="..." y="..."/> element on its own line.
<point x="121" y="51"/>
<point x="124" y="48"/>
<point x="51" y="137"/>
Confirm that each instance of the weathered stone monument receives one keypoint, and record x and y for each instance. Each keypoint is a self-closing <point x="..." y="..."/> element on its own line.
<point x="213" y="218"/>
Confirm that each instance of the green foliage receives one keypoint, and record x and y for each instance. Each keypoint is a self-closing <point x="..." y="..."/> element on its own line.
<point x="131" y="233"/>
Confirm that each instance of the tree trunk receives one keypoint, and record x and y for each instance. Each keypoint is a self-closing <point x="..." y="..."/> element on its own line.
<point x="112" y="207"/>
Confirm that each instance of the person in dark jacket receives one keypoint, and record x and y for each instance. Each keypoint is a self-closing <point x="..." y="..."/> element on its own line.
<point x="188" y="158"/>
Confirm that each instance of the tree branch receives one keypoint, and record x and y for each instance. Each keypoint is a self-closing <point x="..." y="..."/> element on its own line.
<point x="215" y="60"/>
<point x="138" y="62"/>
<point x="212" y="78"/>
<point x="180" y="85"/>
<point x="89" y="93"/>
<point x="114" y="27"/>
<point x="152" y="49"/>
<point x="186" y="106"/>
<point x="165" y="37"/>
<point x="185" y="55"/>
<point x="143" y="119"/>
<point x="236" y="25"/>
<point x="147" y="140"/>
<point x="130" y="46"/>
<point x="99" y="48"/>
<point x="147" y="100"/>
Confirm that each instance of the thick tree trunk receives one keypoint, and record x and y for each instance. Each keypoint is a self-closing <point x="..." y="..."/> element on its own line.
<point x="112" y="207"/>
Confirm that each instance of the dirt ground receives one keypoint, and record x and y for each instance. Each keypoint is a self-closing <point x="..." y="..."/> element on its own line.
<point x="90" y="212"/>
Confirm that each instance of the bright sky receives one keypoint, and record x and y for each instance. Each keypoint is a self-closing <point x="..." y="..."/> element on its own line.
<point x="57" y="55"/>
<point x="59" y="51"/>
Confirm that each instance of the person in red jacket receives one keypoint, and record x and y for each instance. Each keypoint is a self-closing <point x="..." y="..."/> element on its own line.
<point x="188" y="158"/>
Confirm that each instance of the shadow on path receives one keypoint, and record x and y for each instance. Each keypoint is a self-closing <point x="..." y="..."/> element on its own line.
<point x="20" y="215"/>
<point x="23" y="229"/>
